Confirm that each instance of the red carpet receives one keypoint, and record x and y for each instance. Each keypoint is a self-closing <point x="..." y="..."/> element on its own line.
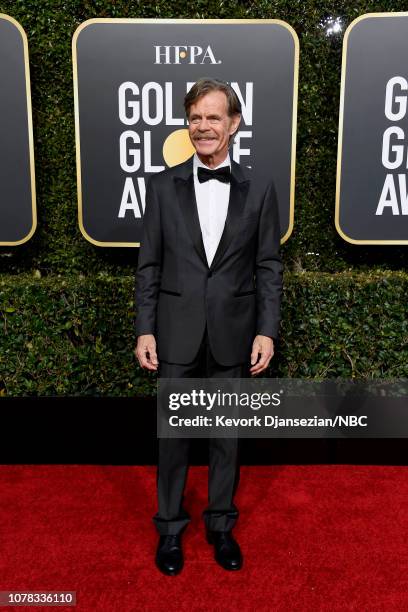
<point x="313" y="537"/>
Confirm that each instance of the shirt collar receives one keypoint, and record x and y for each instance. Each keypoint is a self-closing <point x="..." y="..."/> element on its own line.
<point x="197" y="163"/>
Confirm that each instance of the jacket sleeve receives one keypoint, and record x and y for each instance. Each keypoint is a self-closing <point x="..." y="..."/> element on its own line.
<point x="148" y="273"/>
<point x="269" y="268"/>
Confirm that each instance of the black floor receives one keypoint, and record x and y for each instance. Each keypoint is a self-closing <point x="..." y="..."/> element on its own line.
<point x="122" y="431"/>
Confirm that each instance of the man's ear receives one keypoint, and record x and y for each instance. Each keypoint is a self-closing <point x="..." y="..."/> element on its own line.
<point x="236" y="120"/>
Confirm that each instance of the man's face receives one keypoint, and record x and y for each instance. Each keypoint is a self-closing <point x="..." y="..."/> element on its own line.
<point x="210" y="126"/>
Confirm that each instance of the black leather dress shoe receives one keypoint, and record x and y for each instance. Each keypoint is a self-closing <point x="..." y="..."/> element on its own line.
<point x="169" y="555"/>
<point x="227" y="552"/>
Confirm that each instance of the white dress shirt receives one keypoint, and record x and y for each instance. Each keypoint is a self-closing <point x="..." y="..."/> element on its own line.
<point x="212" y="203"/>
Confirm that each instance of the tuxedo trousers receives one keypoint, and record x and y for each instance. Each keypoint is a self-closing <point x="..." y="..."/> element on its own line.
<point x="221" y="513"/>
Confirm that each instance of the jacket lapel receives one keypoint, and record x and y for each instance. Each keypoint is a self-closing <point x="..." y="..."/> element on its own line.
<point x="236" y="205"/>
<point x="184" y="182"/>
<point x="188" y="205"/>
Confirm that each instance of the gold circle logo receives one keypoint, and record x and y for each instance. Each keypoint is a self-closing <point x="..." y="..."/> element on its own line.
<point x="177" y="148"/>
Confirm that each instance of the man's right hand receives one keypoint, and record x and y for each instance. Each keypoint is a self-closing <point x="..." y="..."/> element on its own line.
<point x="145" y="352"/>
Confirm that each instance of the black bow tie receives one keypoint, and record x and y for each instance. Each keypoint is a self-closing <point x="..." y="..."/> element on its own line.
<point x="222" y="174"/>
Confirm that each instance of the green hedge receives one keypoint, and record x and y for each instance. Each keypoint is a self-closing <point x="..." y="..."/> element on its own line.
<point x="74" y="336"/>
<point x="67" y="306"/>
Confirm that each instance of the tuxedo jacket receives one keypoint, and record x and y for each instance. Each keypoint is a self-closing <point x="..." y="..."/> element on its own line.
<point x="177" y="294"/>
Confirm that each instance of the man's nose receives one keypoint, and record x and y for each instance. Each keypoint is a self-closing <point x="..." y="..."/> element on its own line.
<point x="203" y="126"/>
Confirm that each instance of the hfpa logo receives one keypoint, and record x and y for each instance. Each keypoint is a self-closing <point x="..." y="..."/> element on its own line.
<point x="174" y="54"/>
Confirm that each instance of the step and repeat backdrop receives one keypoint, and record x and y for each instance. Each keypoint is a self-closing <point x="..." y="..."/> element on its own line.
<point x="372" y="190"/>
<point x="18" y="217"/>
<point x="130" y="77"/>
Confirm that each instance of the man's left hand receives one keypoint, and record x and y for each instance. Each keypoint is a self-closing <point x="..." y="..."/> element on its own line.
<point x="262" y="345"/>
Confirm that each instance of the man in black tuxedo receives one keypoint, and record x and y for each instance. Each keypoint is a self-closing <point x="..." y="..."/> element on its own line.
<point x="208" y="290"/>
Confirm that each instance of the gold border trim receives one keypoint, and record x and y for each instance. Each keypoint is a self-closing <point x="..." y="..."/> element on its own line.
<point x="340" y="130"/>
<point x="88" y="22"/>
<point x="29" y="129"/>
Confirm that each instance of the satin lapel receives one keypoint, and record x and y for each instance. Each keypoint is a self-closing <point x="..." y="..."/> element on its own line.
<point x="236" y="206"/>
<point x="188" y="205"/>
